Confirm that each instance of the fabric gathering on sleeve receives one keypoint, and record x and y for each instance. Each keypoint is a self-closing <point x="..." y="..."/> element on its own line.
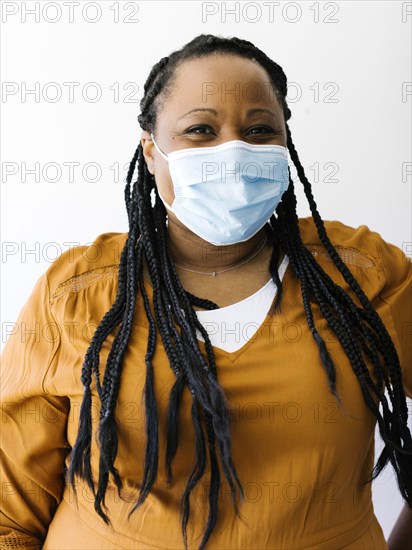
<point x="33" y="428"/>
<point x="397" y="295"/>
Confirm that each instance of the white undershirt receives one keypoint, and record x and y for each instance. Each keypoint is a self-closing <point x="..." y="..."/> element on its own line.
<point x="230" y="327"/>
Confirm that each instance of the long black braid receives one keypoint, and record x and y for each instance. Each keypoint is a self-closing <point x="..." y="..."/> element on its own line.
<point x="357" y="326"/>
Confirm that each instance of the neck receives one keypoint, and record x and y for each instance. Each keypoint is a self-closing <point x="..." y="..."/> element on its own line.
<point x="190" y="251"/>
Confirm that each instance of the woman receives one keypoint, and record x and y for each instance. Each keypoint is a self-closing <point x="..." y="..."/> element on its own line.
<point x="229" y="394"/>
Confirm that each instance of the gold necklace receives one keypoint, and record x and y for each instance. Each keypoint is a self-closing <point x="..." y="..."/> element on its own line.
<point x="214" y="273"/>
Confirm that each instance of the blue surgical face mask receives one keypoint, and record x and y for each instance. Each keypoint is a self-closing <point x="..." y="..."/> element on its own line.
<point x="226" y="193"/>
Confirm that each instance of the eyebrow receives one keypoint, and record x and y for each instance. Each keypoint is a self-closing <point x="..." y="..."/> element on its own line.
<point x="214" y="112"/>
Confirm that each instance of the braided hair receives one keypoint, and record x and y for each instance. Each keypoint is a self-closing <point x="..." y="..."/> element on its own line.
<point x="357" y="325"/>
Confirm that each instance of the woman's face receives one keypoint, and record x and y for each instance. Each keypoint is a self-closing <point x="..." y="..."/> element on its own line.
<point x="214" y="99"/>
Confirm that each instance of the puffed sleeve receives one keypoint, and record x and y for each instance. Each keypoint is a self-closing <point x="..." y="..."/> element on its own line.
<point x="33" y="425"/>
<point x="397" y="295"/>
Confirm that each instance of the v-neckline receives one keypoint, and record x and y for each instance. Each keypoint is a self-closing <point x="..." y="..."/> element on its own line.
<point x="234" y="355"/>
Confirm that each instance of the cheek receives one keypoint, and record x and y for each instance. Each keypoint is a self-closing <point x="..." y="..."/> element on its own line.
<point x="164" y="183"/>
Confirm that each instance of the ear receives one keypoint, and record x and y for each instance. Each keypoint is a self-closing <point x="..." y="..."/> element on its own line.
<point x="147" y="144"/>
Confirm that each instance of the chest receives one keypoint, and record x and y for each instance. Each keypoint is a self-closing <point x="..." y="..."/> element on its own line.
<point x="226" y="288"/>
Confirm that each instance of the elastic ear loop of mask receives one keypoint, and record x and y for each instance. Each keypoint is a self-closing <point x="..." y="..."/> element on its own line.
<point x="161" y="152"/>
<point x="165" y="157"/>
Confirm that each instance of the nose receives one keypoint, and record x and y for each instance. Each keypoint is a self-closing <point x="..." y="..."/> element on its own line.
<point x="231" y="134"/>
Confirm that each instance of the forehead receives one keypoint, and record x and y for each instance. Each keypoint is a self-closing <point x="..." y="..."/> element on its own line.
<point x="221" y="80"/>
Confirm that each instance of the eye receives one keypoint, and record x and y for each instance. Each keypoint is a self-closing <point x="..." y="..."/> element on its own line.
<point x="193" y="128"/>
<point x="268" y="129"/>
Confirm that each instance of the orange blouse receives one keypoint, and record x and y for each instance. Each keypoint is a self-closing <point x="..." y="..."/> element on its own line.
<point x="300" y="457"/>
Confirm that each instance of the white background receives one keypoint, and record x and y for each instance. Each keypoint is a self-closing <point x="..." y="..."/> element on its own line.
<point x="356" y="54"/>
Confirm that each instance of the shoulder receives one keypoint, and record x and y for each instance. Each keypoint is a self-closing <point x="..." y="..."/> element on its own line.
<point x="81" y="266"/>
<point x="364" y="251"/>
<point x="352" y="243"/>
<point x="360" y="240"/>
